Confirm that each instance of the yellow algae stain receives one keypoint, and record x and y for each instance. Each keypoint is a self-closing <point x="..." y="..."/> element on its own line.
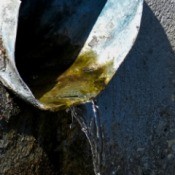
<point x="80" y="83"/>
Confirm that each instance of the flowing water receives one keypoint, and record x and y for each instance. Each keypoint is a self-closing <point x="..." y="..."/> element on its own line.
<point x="91" y="126"/>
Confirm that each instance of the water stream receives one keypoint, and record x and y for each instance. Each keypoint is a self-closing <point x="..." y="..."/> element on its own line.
<point x="91" y="126"/>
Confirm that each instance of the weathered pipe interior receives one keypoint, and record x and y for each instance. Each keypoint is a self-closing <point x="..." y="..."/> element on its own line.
<point x="49" y="37"/>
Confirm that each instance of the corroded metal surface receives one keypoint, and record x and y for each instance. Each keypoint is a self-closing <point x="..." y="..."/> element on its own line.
<point x="9" y="75"/>
<point x="114" y="27"/>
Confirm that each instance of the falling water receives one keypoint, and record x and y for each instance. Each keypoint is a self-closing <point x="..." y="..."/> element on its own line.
<point x="93" y="133"/>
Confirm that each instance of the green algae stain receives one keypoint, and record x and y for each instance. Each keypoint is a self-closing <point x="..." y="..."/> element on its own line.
<point x="80" y="83"/>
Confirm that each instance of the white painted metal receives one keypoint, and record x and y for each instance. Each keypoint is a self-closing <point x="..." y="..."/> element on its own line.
<point x="111" y="38"/>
